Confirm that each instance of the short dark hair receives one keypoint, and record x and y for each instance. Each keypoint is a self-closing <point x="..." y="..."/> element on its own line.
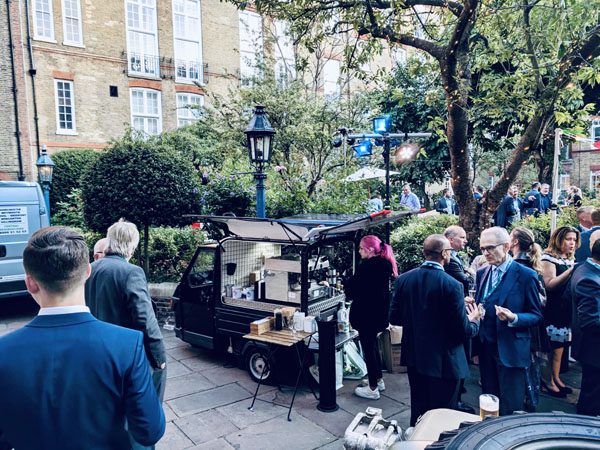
<point x="596" y="250"/>
<point x="479" y="188"/>
<point x="536" y="185"/>
<point x="57" y="258"/>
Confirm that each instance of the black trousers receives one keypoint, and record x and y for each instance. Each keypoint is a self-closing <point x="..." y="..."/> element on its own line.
<point x="506" y="383"/>
<point x="428" y="393"/>
<point x="589" y="397"/>
<point x="370" y="348"/>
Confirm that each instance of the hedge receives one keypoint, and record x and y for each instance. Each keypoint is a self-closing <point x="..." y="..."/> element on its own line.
<point x="69" y="168"/>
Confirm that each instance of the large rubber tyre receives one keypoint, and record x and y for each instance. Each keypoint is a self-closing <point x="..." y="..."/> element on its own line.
<point x="256" y="362"/>
<point x="525" y="432"/>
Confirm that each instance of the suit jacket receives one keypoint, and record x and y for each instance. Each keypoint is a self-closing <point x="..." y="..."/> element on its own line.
<point x="442" y="206"/>
<point x="531" y="207"/>
<point x="584" y="252"/>
<point x="456" y="269"/>
<point x="429" y="305"/>
<point x="117" y="292"/>
<point x="369" y="290"/>
<point x="519" y="292"/>
<point x="506" y="212"/>
<point x="545" y="203"/>
<point x="69" y="381"/>
<point x="585" y="292"/>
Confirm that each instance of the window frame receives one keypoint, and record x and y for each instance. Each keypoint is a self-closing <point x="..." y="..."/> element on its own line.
<point x="593" y="128"/>
<point x="178" y="108"/>
<point x="36" y="35"/>
<point x="80" y="24"/>
<point x="59" y="130"/>
<point x="146" y="115"/>
<point x="187" y="79"/>
<point x="256" y="56"/>
<point x="285" y="54"/>
<point x="155" y="74"/>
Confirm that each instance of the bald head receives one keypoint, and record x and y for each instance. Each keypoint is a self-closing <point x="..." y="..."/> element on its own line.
<point x="434" y="246"/>
<point x="594" y="237"/>
<point x="99" y="248"/>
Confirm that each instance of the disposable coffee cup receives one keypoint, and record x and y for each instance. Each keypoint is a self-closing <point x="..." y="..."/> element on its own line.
<point x="489" y="406"/>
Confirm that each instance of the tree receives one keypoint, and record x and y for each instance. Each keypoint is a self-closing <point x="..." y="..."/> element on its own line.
<point x="69" y="168"/>
<point x="550" y="40"/>
<point x="141" y="181"/>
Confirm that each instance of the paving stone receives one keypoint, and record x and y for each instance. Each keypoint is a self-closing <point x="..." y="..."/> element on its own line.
<point x="217" y="444"/>
<point x="176" y="369"/>
<point x="239" y="414"/>
<point x="335" y="422"/>
<point x="205" y="426"/>
<point x="403" y="418"/>
<point x="199" y="363"/>
<point x="335" y="445"/>
<point x="250" y="385"/>
<point x="186" y="384"/>
<point x="169" y="414"/>
<point x="174" y="439"/>
<point x="225" y="375"/>
<point x="186" y="351"/>
<point x="173" y="342"/>
<point x="354" y="404"/>
<point x="278" y="433"/>
<point x="213" y="398"/>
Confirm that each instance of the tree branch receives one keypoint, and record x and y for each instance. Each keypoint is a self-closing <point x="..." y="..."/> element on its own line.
<point x="527" y="7"/>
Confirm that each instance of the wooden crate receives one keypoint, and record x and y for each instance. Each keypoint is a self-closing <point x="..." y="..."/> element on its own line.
<point x="262" y="325"/>
<point x="396" y="367"/>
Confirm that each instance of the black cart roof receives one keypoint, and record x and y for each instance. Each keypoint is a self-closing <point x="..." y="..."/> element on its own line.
<point x="301" y="228"/>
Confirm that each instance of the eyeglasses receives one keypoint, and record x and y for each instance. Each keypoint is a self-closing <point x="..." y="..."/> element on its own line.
<point x="489" y="248"/>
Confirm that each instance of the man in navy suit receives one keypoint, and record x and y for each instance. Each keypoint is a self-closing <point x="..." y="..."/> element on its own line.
<point x="510" y="208"/>
<point x="585" y="292"/>
<point x="430" y="305"/>
<point x="509" y="295"/>
<point x="446" y="204"/>
<point x="583" y="252"/>
<point x="531" y="202"/>
<point x="69" y="381"/>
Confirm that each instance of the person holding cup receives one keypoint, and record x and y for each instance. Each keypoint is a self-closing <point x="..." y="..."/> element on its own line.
<point x="510" y="297"/>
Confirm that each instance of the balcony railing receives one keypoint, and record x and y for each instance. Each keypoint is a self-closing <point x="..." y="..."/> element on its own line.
<point x="143" y="64"/>
<point x="189" y="70"/>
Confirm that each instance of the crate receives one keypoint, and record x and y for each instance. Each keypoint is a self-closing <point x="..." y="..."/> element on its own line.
<point x="395" y="360"/>
<point x="262" y="325"/>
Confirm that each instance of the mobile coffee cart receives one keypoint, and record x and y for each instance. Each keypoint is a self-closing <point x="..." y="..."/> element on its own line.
<point x="259" y="265"/>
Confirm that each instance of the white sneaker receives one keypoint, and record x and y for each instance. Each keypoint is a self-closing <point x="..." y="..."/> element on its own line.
<point x="366" y="392"/>
<point x="380" y="384"/>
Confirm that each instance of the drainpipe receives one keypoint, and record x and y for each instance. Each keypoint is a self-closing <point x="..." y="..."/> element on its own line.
<point x="32" y="71"/>
<point x="21" y="176"/>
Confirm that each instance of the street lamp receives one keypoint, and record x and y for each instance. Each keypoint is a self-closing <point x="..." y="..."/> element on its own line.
<point x="260" y="144"/>
<point x="45" y="167"/>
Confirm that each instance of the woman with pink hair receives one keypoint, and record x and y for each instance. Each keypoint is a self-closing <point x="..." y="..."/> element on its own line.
<point x="369" y="290"/>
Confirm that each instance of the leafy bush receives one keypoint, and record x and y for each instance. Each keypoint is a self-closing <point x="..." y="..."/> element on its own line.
<point x="70" y="212"/>
<point x="407" y="241"/>
<point x="171" y="250"/>
<point x="227" y="194"/>
<point x="540" y="226"/>
<point x="69" y="168"/>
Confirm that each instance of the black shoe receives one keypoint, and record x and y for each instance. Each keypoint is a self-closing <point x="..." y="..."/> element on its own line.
<point x="551" y="393"/>
<point x="565" y="389"/>
<point x="460" y="406"/>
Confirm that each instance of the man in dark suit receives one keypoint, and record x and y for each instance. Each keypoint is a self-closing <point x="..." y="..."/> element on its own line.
<point x="117" y="292"/>
<point x="531" y="202"/>
<point x="455" y="267"/>
<point x="545" y="199"/>
<point x="584" y="217"/>
<point x="585" y="292"/>
<point x="430" y="305"/>
<point x="583" y="252"/>
<point x="446" y="204"/>
<point x="508" y="293"/>
<point x="68" y="380"/>
<point x="510" y="209"/>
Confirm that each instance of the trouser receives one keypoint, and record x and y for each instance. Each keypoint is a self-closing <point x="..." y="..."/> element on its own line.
<point x="159" y="379"/>
<point x="506" y="383"/>
<point x="589" y="397"/>
<point x="370" y="347"/>
<point x="427" y="393"/>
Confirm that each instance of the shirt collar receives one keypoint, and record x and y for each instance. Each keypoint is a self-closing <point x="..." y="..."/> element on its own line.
<point x="433" y="264"/>
<point x="54" y="310"/>
<point x="593" y="263"/>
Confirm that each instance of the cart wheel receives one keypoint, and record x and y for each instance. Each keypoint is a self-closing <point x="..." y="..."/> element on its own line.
<point x="256" y="363"/>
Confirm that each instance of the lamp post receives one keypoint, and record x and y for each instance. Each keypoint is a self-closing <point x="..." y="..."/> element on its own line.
<point x="382" y="126"/>
<point x="260" y="143"/>
<point x="45" y="167"/>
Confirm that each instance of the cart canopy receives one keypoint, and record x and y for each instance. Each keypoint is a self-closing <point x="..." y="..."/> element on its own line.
<point x="301" y="228"/>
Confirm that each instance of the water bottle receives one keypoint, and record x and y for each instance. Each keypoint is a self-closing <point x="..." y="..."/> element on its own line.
<point x="342" y="318"/>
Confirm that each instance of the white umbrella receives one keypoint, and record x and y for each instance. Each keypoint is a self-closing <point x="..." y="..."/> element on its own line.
<point x="367" y="173"/>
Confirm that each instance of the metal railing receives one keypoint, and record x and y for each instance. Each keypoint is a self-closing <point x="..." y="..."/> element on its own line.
<point x="189" y="70"/>
<point x="143" y="64"/>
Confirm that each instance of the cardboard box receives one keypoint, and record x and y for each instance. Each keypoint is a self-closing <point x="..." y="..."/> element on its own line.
<point x="390" y="353"/>
<point x="396" y="353"/>
<point x="262" y="325"/>
<point x="283" y="265"/>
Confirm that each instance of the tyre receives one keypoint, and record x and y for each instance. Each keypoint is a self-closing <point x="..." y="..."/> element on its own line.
<point x="525" y="431"/>
<point x="257" y="364"/>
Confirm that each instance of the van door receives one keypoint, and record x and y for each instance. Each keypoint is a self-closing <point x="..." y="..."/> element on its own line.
<point x="195" y="307"/>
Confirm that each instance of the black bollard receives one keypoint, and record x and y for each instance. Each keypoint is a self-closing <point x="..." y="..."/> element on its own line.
<point x="327" y="331"/>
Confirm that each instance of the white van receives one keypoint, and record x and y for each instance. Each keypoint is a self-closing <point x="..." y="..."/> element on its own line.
<point x="22" y="212"/>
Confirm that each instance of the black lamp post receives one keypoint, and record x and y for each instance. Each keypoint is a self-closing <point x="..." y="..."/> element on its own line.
<point x="45" y="167"/>
<point x="260" y="143"/>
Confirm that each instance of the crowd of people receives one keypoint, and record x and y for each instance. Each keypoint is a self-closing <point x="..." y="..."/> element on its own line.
<point x="514" y="315"/>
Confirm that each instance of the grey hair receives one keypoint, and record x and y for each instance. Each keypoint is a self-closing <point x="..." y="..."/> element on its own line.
<point x="584" y="209"/>
<point x="500" y="234"/>
<point x="123" y="238"/>
<point x="452" y="231"/>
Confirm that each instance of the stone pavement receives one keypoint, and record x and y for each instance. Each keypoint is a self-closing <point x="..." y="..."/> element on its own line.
<point x="207" y="398"/>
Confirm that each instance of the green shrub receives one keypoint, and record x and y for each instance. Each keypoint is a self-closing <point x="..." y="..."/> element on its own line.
<point x="226" y="194"/>
<point x="70" y="212"/>
<point x="69" y="168"/>
<point x="540" y="226"/>
<point x="407" y="241"/>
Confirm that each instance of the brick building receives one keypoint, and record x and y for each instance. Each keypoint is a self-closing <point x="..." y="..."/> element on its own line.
<point x="582" y="167"/>
<point x="86" y="70"/>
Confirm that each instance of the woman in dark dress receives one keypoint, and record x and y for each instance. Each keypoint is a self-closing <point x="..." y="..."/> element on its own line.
<point x="557" y="264"/>
<point x="369" y="290"/>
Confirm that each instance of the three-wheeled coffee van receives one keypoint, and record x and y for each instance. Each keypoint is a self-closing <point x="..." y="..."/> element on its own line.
<point x="259" y="265"/>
